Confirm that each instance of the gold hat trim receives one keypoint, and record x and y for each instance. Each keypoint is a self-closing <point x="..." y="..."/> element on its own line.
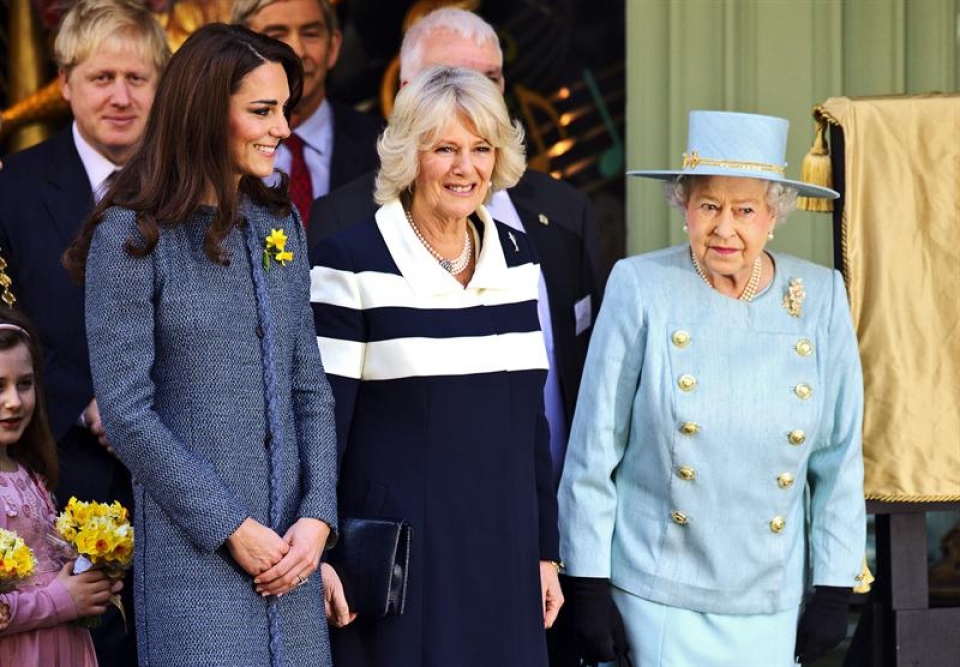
<point x="694" y="160"/>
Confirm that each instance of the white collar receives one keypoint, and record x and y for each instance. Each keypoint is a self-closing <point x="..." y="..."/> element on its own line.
<point x="422" y="271"/>
<point x="317" y="130"/>
<point x="98" y="168"/>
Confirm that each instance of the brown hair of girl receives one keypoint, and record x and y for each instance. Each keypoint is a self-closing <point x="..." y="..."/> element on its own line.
<point x="36" y="449"/>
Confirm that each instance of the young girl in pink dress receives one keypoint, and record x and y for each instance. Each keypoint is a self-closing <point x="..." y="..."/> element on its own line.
<point x="35" y="617"/>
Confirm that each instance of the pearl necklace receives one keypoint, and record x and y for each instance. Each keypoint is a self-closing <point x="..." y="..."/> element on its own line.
<point x="452" y="266"/>
<point x="749" y="292"/>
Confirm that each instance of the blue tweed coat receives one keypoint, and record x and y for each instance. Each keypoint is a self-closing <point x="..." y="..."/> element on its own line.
<point x="175" y="350"/>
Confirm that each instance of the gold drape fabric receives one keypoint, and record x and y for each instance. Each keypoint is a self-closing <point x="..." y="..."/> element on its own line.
<point x="901" y="255"/>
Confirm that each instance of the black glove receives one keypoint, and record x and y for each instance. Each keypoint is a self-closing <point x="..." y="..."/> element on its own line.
<point x="597" y="627"/>
<point x="823" y="624"/>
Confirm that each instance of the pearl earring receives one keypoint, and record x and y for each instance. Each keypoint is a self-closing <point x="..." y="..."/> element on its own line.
<point x="685" y="229"/>
<point x="770" y="235"/>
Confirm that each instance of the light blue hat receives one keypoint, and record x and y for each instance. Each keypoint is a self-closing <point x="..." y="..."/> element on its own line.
<point x="724" y="143"/>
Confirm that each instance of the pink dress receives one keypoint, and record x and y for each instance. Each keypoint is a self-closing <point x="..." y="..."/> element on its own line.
<point x="35" y="619"/>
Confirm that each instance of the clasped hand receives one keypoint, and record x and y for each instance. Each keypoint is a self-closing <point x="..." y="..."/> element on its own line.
<point x="278" y="564"/>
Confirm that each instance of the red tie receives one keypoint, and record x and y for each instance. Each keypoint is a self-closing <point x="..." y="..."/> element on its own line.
<point x="301" y="187"/>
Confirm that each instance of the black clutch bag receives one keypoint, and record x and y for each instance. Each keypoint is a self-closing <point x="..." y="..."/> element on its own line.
<point x="372" y="557"/>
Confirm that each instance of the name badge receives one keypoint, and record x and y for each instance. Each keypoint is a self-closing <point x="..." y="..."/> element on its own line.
<point x="583" y="314"/>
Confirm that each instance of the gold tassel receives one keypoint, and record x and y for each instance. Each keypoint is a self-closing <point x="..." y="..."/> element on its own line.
<point x="6" y="283"/>
<point x="816" y="171"/>
<point x="864" y="579"/>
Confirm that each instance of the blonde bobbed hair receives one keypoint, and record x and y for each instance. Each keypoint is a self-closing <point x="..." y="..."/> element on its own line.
<point x="423" y="110"/>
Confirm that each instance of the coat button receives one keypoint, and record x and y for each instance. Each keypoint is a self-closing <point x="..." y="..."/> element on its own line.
<point x="679" y="518"/>
<point x="803" y="391"/>
<point x="777" y="524"/>
<point x="680" y="338"/>
<point x="687" y="382"/>
<point x="686" y="473"/>
<point x="796" y="437"/>
<point x="785" y="480"/>
<point x="689" y="428"/>
<point x="267" y="439"/>
<point x="258" y="330"/>
<point x="804" y="347"/>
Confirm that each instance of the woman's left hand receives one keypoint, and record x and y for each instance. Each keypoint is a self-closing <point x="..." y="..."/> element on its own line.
<point x="551" y="597"/>
<point x="306" y="538"/>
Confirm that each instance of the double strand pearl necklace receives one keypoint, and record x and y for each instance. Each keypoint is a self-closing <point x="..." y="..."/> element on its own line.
<point x="749" y="292"/>
<point x="452" y="266"/>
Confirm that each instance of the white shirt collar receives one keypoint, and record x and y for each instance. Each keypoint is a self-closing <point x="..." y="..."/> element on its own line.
<point x="317" y="130"/>
<point x="98" y="168"/>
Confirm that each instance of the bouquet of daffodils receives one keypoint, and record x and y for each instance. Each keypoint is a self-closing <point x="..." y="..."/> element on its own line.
<point x="16" y="560"/>
<point x="102" y="536"/>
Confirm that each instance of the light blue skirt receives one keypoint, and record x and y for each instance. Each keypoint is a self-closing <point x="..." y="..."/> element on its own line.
<point x="662" y="636"/>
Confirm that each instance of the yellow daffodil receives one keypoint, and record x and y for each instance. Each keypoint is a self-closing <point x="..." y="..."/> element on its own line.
<point x="277" y="239"/>
<point x="16" y="559"/>
<point x="275" y="249"/>
<point x="101" y="533"/>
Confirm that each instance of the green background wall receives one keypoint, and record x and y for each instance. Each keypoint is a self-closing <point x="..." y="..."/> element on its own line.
<point x="778" y="57"/>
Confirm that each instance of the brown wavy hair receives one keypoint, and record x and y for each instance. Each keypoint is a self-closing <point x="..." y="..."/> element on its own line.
<point x="36" y="450"/>
<point x="185" y="149"/>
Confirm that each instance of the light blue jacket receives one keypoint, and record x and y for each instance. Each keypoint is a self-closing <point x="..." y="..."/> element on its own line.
<point x="700" y="421"/>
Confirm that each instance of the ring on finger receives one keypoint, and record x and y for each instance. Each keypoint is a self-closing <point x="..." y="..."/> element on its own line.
<point x="300" y="580"/>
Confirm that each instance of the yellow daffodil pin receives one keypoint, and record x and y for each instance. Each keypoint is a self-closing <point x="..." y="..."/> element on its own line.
<point x="275" y="249"/>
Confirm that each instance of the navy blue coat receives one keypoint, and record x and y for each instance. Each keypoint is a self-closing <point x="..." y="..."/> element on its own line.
<point x="175" y="349"/>
<point x="440" y="416"/>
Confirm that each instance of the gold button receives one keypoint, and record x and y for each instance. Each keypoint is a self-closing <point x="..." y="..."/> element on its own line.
<point x="777" y="524"/>
<point x="804" y="347"/>
<point x="803" y="391"/>
<point x="680" y="338"/>
<point x="785" y="480"/>
<point x="686" y="473"/>
<point x="796" y="437"/>
<point x="679" y="518"/>
<point x="687" y="382"/>
<point x="689" y="428"/>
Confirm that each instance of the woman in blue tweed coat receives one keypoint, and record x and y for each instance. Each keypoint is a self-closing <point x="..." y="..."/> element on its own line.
<point x="722" y="383"/>
<point x="204" y="358"/>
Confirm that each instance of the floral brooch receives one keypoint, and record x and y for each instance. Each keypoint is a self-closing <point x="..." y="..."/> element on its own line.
<point x="274" y="250"/>
<point x="793" y="299"/>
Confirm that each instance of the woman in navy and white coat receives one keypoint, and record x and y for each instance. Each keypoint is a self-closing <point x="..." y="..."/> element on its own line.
<point x="206" y="366"/>
<point x="722" y="381"/>
<point x="427" y="320"/>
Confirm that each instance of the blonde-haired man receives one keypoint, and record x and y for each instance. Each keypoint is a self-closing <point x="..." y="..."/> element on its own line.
<point x="110" y="55"/>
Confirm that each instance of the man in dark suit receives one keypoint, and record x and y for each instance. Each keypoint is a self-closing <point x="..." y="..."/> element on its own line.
<point x="332" y="143"/>
<point x="110" y="54"/>
<point x="557" y="218"/>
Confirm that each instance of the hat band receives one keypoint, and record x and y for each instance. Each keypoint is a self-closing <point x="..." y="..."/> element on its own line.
<point x="693" y="160"/>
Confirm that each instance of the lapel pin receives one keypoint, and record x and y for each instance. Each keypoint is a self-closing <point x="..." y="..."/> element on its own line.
<point x="513" y="240"/>
<point x="544" y="220"/>
<point x="793" y="299"/>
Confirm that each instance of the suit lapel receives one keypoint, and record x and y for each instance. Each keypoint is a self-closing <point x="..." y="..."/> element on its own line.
<point x="345" y="150"/>
<point x="524" y="198"/>
<point x="67" y="193"/>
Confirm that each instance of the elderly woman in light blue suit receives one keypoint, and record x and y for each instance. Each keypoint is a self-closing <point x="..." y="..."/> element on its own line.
<point x="206" y="366"/>
<point x="722" y="382"/>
